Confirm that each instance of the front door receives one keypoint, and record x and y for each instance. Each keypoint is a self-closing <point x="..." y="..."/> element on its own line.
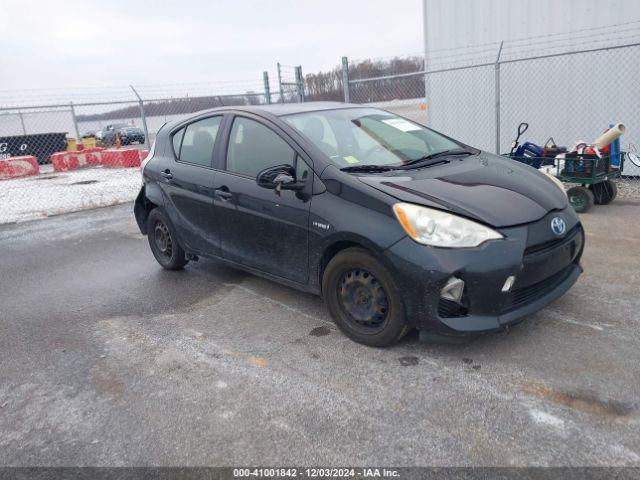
<point x="259" y="227"/>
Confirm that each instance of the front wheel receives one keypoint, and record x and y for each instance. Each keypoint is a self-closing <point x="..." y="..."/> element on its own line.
<point x="580" y="198"/>
<point x="363" y="299"/>
<point x="163" y="241"/>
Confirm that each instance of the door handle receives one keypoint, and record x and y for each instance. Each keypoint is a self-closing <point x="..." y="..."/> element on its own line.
<point x="223" y="193"/>
<point x="167" y="174"/>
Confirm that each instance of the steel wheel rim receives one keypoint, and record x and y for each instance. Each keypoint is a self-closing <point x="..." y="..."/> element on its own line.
<point x="363" y="299"/>
<point x="162" y="238"/>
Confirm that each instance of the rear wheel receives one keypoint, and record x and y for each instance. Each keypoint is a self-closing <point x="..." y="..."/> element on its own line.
<point x="163" y="241"/>
<point x="604" y="192"/>
<point x="580" y="198"/>
<point x="363" y="299"/>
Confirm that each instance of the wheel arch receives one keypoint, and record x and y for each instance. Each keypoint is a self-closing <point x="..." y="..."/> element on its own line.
<point x="337" y="245"/>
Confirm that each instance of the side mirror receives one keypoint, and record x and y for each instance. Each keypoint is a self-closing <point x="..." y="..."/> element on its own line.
<point x="280" y="177"/>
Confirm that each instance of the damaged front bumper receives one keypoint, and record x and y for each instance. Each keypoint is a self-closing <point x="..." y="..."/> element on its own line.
<point x="544" y="267"/>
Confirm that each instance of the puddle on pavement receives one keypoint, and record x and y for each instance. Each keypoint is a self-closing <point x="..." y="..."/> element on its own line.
<point x="85" y="182"/>
<point x="409" y="361"/>
<point x="50" y="177"/>
<point x="320" y="331"/>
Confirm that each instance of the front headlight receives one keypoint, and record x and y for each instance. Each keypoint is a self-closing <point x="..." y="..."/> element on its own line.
<point x="440" y="229"/>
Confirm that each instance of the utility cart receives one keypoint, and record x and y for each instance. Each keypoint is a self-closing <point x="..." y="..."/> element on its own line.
<point x="592" y="177"/>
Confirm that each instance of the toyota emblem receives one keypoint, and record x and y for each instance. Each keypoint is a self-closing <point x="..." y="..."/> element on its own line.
<point x="558" y="226"/>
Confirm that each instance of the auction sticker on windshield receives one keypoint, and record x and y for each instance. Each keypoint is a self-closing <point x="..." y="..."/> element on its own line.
<point x="401" y="124"/>
<point x="351" y="159"/>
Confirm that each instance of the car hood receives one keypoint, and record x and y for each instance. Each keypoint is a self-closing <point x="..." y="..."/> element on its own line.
<point x="494" y="190"/>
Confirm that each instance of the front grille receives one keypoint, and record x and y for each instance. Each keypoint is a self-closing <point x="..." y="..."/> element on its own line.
<point x="531" y="293"/>
<point x="552" y="244"/>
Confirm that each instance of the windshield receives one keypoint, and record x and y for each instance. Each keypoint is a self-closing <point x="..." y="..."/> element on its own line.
<point x="367" y="136"/>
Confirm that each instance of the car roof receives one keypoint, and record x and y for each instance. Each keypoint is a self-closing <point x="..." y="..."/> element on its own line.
<point x="275" y="109"/>
<point x="280" y="109"/>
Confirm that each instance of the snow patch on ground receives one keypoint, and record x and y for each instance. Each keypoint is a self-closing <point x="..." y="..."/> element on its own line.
<point x="53" y="193"/>
<point x="545" y="418"/>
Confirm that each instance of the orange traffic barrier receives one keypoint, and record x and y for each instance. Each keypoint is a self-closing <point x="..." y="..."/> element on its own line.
<point x="64" y="161"/>
<point x="16" y="167"/>
<point x="121" y="158"/>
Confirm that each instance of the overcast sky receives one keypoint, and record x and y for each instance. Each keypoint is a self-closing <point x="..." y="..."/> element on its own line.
<point x="66" y="43"/>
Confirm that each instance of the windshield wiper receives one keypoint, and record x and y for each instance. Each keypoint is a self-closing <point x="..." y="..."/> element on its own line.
<point x="443" y="153"/>
<point x="425" y="161"/>
<point x="367" y="168"/>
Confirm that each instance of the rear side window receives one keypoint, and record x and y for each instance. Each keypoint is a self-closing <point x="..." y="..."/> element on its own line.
<point x="254" y="147"/>
<point x="177" y="141"/>
<point x="194" y="143"/>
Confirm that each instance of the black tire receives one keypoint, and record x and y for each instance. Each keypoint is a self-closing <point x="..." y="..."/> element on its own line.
<point x="580" y="198"/>
<point x="604" y="192"/>
<point x="377" y="316"/>
<point x="163" y="241"/>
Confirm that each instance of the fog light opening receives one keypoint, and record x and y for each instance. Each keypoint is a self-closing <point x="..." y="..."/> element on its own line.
<point x="453" y="290"/>
<point x="511" y="279"/>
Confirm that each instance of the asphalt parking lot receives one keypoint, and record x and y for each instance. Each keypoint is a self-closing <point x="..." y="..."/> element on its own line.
<point x="105" y="359"/>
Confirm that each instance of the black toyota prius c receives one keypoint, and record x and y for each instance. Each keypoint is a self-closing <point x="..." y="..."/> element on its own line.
<point x="395" y="225"/>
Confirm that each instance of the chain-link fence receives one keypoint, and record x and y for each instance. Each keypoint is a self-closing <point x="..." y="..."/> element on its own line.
<point x="565" y="96"/>
<point x="291" y="84"/>
<point x="46" y="136"/>
<point x="566" y="90"/>
<point x="36" y="123"/>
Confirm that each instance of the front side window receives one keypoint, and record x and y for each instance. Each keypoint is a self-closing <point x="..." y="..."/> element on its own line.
<point x="317" y="128"/>
<point x="359" y="136"/>
<point x="194" y="143"/>
<point x="254" y="147"/>
<point x="302" y="169"/>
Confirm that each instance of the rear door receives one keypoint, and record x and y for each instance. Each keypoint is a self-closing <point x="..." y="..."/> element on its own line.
<point x="187" y="176"/>
<point x="260" y="227"/>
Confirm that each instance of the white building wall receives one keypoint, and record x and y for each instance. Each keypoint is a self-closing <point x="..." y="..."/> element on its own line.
<point x="568" y="98"/>
<point x="458" y="23"/>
